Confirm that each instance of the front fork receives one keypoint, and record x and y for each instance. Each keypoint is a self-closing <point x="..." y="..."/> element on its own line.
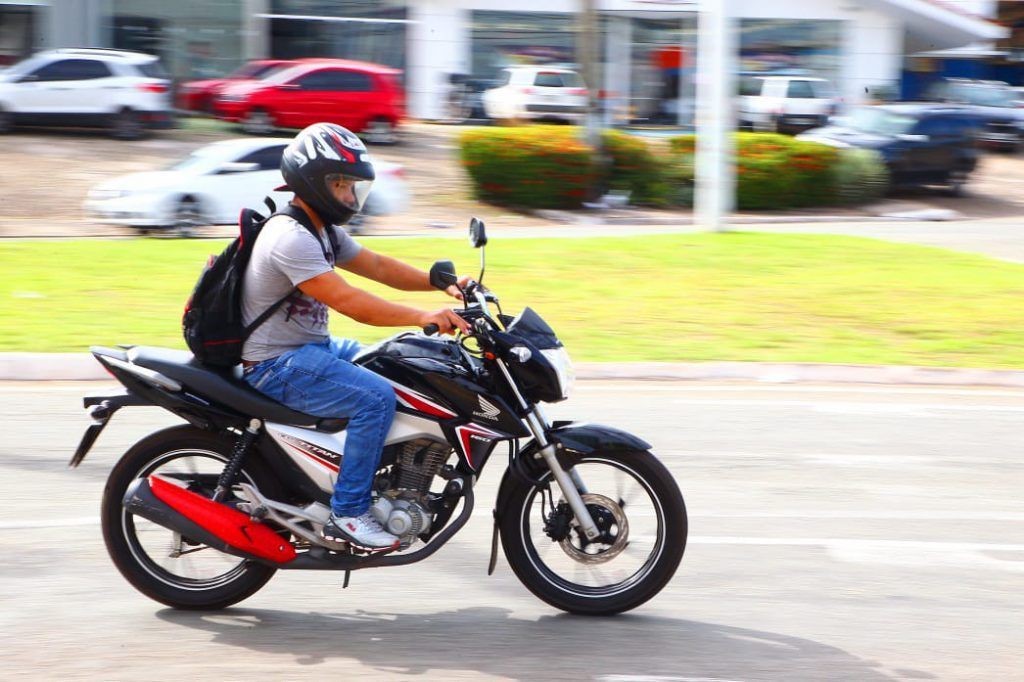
<point x="569" y="482"/>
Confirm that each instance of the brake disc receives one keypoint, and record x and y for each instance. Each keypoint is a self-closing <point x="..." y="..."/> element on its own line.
<point x="607" y="515"/>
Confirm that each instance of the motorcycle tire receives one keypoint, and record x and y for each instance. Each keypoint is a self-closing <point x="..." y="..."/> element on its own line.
<point x="156" y="574"/>
<point x="535" y="555"/>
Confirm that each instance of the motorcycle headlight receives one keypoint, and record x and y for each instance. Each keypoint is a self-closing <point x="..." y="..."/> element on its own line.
<point x="560" y="360"/>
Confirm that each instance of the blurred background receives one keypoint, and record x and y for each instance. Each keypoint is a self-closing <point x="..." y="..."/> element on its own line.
<point x="189" y="73"/>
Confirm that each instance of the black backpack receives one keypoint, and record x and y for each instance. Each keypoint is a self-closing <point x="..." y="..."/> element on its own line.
<point x="212" y="323"/>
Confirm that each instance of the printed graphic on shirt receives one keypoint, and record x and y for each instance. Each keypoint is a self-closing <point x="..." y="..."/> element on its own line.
<point x="305" y="311"/>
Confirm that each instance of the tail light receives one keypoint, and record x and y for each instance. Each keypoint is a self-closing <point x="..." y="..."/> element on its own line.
<point x="526" y="91"/>
<point x="153" y="87"/>
<point x="397" y="172"/>
<point x="582" y="91"/>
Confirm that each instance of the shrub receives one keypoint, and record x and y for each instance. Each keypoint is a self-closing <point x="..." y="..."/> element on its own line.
<point x="529" y="167"/>
<point x="861" y="176"/>
<point x="775" y="171"/>
<point x="634" y="168"/>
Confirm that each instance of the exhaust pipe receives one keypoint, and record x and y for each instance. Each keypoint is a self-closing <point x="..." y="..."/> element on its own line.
<point x="202" y="520"/>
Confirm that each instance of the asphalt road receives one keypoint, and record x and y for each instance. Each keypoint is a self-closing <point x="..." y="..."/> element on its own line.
<point x="837" y="533"/>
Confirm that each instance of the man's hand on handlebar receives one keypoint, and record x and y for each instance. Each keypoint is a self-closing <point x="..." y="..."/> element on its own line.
<point x="445" y="321"/>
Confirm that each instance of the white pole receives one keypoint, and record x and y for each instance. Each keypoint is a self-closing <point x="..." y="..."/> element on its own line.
<point x="716" y="67"/>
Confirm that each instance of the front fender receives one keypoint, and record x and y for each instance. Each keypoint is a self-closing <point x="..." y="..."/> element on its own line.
<point x="583" y="439"/>
<point x="573" y="441"/>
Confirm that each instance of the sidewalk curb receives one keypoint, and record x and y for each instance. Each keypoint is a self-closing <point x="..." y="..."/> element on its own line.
<point x="82" y="367"/>
<point x="578" y="219"/>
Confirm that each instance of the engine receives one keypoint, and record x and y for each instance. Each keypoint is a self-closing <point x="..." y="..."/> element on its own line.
<point x="402" y="504"/>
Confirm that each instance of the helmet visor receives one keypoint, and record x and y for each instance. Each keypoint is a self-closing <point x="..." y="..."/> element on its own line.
<point x="349" y="191"/>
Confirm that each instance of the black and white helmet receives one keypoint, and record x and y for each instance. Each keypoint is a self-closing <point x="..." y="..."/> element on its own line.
<point x="315" y="159"/>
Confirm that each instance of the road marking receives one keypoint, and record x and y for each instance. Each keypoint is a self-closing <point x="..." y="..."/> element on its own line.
<point x="50" y="523"/>
<point x="901" y="516"/>
<point x="660" y="678"/>
<point x="850" y="407"/>
<point x="855" y="543"/>
<point x="859" y="460"/>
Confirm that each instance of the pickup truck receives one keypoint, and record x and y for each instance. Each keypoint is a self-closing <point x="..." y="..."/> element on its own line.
<point x="785" y="104"/>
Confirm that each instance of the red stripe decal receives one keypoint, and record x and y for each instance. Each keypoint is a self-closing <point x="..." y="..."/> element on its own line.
<point x="319" y="460"/>
<point x="420" y="404"/>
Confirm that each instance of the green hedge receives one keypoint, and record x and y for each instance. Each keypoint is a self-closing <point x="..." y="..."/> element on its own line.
<point x="548" y="167"/>
<point x="529" y="167"/>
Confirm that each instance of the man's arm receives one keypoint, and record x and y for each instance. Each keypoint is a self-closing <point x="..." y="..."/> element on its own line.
<point x="362" y="306"/>
<point x="387" y="270"/>
<point x="394" y="273"/>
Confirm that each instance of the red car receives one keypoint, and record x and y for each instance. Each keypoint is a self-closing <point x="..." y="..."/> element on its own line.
<point x="200" y="95"/>
<point x="363" y="97"/>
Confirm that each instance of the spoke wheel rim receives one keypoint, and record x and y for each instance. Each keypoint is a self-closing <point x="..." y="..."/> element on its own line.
<point x="627" y="566"/>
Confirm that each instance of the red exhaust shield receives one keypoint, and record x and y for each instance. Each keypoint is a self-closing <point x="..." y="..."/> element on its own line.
<point x="230" y="525"/>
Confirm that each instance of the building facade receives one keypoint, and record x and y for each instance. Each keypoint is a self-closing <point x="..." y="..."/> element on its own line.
<point x="648" y="47"/>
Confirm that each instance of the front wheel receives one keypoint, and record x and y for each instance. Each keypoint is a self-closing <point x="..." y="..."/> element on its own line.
<point x="158" y="562"/>
<point x="640" y="514"/>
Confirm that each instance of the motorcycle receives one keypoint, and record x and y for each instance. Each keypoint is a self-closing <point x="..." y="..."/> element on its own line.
<point x="201" y="515"/>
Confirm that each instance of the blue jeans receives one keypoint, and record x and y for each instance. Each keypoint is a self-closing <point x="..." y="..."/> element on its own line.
<point x="320" y="379"/>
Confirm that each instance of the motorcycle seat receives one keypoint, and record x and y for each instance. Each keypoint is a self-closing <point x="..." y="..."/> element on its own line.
<point x="225" y="386"/>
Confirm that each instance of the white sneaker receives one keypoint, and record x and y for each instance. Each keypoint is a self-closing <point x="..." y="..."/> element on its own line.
<point x="362" y="532"/>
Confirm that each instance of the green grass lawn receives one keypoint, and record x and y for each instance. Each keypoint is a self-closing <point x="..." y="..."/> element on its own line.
<point x="736" y="296"/>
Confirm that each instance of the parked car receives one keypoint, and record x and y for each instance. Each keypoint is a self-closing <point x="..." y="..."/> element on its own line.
<point x="921" y="144"/>
<point x="211" y="185"/>
<point x="365" y="98"/>
<point x="785" y="104"/>
<point x="199" y="95"/>
<point x="537" y="93"/>
<point x="995" y="102"/>
<point x="126" y="92"/>
<point x="465" y="98"/>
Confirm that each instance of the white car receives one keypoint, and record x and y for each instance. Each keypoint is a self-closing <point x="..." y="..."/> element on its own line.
<point x="782" y="104"/>
<point x="126" y="92"/>
<point x="211" y="186"/>
<point x="537" y="93"/>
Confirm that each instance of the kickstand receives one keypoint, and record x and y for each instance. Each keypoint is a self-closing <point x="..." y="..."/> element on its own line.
<point x="494" y="546"/>
<point x="345" y="584"/>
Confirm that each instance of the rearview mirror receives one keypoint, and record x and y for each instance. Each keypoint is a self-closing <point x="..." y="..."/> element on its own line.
<point x="477" y="233"/>
<point x="225" y="168"/>
<point x="443" y="275"/>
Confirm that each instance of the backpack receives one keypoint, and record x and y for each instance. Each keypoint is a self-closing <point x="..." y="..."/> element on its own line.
<point x="212" y="323"/>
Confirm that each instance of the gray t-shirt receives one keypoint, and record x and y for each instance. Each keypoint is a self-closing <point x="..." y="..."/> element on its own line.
<point x="285" y="255"/>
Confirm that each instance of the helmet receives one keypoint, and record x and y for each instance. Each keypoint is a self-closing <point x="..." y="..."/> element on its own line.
<point x="316" y="158"/>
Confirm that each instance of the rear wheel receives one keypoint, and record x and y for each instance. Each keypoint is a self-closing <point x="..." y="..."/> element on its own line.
<point x="127" y="125"/>
<point x="6" y="121"/>
<point x="158" y="562"/>
<point x="258" y="122"/>
<point x="640" y="514"/>
<point x="381" y="131"/>
<point x="188" y="217"/>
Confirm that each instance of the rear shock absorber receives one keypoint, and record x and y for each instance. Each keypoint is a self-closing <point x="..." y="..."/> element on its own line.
<point x="234" y="465"/>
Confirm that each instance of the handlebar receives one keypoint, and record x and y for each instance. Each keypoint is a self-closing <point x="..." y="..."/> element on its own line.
<point x="431" y="329"/>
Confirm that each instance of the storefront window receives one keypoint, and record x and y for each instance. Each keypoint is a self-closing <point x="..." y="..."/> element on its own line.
<point x="17" y="33"/>
<point x="503" y="39"/>
<point x="808" y="48"/>
<point x="365" y="30"/>
<point x="194" y="40"/>
<point x="663" y="69"/>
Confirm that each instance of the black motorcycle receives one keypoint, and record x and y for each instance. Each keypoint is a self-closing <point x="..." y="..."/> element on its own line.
<point x="201" y="515"/>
